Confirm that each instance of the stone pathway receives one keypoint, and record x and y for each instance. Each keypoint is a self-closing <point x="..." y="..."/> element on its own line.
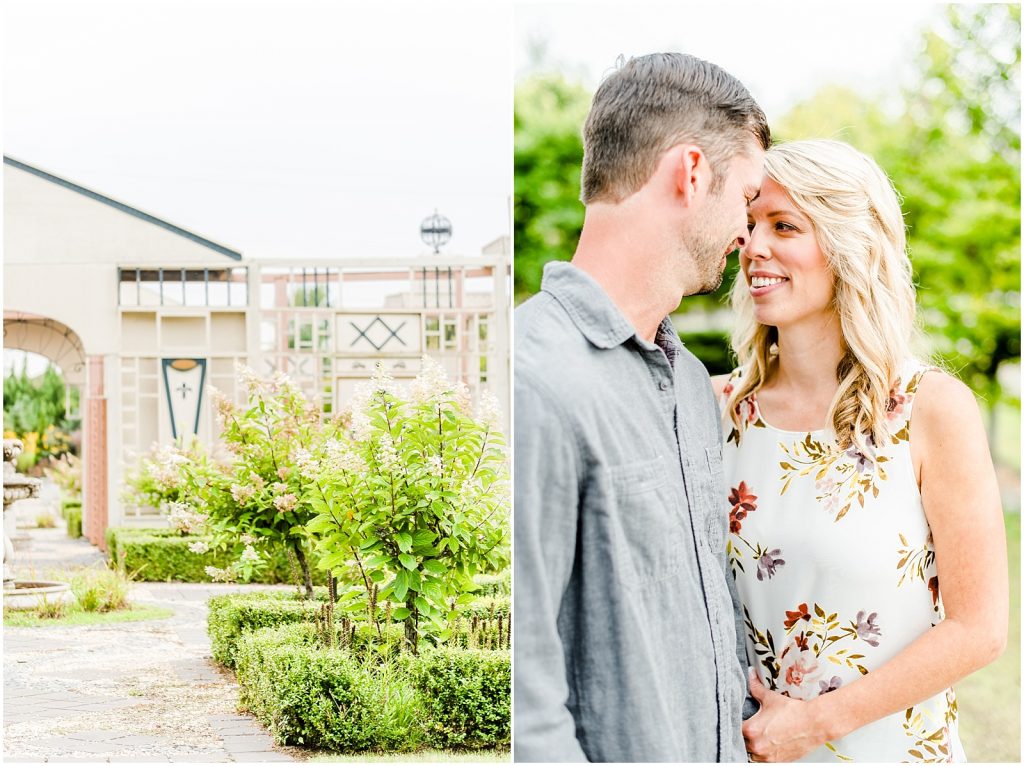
<point x="126" y="692"/>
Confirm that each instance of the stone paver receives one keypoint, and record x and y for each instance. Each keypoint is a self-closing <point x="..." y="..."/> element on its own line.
<point x="134" y="692"/>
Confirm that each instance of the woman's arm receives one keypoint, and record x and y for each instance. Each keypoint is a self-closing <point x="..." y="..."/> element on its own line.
<point x="961" y="502"/>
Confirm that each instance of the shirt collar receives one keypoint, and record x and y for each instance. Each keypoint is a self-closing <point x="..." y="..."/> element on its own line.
<point x="594" y="313"/>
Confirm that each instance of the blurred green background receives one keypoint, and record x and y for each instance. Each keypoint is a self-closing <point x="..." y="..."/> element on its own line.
<point x="949" y="137"/>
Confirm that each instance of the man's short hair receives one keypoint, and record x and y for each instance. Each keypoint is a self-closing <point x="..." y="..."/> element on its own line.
<point x="652" y="103"/>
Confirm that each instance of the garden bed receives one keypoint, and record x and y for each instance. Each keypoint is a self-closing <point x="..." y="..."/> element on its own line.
<point x="163" y="555"/>
<point x="361" y="695"/>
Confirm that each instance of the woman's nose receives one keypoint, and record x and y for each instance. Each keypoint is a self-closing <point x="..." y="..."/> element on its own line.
<point x="755" y="247"/>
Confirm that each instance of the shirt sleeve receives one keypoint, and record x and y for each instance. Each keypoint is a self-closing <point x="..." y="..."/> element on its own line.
<point x="750" y="705"/>
<point x="547" y="478"/>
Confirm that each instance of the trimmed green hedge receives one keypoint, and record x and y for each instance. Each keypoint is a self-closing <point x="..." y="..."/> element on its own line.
<point x="67" y="505"/>
<point x="352" y="699"/>
<point x="494" y="585"/>
<point x="162" y="555"/>
<point x="73" y="516"/>
<point x="467" y="694"/>
<point x="233" y="614"/>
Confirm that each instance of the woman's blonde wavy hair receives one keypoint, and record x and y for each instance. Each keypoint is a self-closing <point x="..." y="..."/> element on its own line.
<point x="857" y="222"/>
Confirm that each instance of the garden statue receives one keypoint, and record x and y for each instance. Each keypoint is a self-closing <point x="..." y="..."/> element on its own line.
<point x="18" y="487"/>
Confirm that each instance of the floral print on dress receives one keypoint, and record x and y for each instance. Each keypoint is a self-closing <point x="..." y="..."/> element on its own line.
<point x="746" y="411"/>
<point x="812" y="638"/>
<point x="917" y="564"/>
<point x="743" y="501"/>
<point x="841" y="477"/>
<point x="930" y="731"/>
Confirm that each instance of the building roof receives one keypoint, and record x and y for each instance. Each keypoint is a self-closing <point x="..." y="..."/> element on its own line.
<point x="234" y="254"/>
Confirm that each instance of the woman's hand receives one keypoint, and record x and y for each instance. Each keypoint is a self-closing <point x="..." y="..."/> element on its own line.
<point x="784" y="729"/>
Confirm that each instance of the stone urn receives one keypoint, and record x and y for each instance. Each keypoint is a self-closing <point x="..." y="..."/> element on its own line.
<point x="19" y="594"/>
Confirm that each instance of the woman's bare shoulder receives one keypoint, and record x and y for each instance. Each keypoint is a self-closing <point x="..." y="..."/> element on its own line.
<point x="945" y="409"/>
<point x="719" y="382"/>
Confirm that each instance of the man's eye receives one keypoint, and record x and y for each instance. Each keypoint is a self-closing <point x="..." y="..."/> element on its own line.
<point x="750" y="226"/>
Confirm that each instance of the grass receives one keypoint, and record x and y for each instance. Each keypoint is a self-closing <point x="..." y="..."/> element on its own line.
<point x="989" y="700"/>
<point x="75" y="615"/>
<point x="423" y="756"/>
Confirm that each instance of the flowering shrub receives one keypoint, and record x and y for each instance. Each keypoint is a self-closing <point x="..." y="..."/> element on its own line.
<point x="159" y="481"/>
<point x="255" y="502"/>
<point x="412" y="500"/>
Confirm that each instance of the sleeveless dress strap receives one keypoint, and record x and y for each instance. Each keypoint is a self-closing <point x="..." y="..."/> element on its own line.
<point x="901" y="398"/>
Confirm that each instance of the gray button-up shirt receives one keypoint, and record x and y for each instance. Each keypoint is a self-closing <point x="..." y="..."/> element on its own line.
<point x="625" y="644"/>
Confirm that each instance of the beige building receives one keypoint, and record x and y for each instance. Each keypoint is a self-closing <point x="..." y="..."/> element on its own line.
<point x="144" y="316"/>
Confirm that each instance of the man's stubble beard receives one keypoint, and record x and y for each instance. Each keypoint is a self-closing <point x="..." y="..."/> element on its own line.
<point x="706" y="251"/>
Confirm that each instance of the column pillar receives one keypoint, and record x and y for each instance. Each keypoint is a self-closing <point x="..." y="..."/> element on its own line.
<point x="95" y="473"/>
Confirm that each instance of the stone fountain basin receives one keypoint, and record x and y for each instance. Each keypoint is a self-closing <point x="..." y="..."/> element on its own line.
<point x="28" y="595"/>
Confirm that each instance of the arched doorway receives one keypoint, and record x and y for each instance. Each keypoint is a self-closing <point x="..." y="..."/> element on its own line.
<point x="60" y="344"/>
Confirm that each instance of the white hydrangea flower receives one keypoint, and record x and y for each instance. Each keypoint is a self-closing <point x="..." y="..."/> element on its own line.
<point x="307" y="465"/>
<point x="249" y="539"/>
<point x="242" y="493"/>
<point x="382" y="380"/>
<point x="247" y="376"/>
<point x="362" y="428"/>
<point x="435" y="467"/>
<point x="341" y="457"/>
<point x="199" y="546"/>
<point x="431" y="384"/>
<point x="489" y="411"/>
<point x="218" y="575"/>
<point x="223" y="406"/>
<point x="285" y="503"/>
<point x="387" y="455"/>
<point x="463" y="398"/>
<point x="249" y="555"/>
<point x="183" y="517"/>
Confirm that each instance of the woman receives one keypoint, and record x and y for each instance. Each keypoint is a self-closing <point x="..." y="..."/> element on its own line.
<point x="859" y="479"/>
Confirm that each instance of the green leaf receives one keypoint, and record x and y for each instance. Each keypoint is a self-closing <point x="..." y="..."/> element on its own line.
<point x="408" y="560"/>
<point x="422" y="605"/>
<point x="401" y="613"/>
<point x="435" y="567"/>
<point x="404" y="540"/>
<point x="401" y="585"/>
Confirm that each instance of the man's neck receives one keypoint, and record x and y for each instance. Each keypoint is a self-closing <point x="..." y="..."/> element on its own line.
<point x="626" y="264"/>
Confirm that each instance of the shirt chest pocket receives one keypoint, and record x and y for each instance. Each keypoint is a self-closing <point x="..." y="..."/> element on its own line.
<point x="646" y="525"/>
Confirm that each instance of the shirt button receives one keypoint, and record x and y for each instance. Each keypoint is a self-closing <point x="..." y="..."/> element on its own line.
<point x="665" y="384"/>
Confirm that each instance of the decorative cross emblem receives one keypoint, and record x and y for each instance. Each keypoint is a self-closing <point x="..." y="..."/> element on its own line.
<point x="392" y="333"/>
<point x="184" y="389"/>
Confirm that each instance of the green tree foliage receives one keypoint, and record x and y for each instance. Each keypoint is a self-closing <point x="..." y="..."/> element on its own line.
<point x="549" y="114"/>
<point x="35" y="405"/>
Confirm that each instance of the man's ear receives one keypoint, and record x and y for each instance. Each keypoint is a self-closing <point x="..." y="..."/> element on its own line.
<point x="692" y="172"/>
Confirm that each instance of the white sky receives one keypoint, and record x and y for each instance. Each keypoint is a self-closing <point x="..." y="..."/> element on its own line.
<point x="783" y="51"/>
<point x="282" y="129"/>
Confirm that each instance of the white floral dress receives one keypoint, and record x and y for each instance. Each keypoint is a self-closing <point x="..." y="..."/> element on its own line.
<point x="835" y="569"/>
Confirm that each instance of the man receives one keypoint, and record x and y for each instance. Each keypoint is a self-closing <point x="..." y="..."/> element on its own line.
<point x="625" y="646"/>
